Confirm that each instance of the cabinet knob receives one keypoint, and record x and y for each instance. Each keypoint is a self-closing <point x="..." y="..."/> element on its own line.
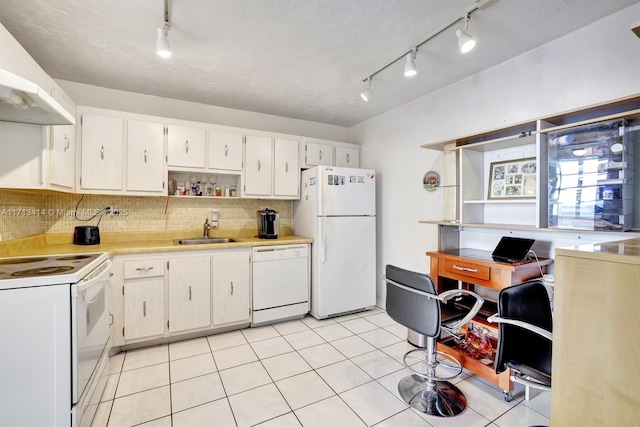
<point x="286" y="166"/>
<point x="189" y="293"/>
<point x="66" y="143"/>
<point x="144" y="309"/>
<point x="186" y="146"/>
<point x="320" y="156"/>
<point x="259" y="165"/>
<point x="348" y="159"/>
<point x="226" y="150"/>
<point x="231" y="288"/>
<point x="102" y="152"/>
<point x="145" y="155"/>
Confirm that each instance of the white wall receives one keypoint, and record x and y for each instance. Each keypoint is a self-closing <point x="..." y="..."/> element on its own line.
<point x="596" y="64"/>
<point x="100" y="97"/>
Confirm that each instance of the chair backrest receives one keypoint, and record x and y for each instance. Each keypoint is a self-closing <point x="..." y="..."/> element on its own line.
<point x="416" y="312"/>
<point x="527" y="302"/>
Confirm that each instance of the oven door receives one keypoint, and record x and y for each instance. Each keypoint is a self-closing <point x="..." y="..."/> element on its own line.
<point x="90" y="326"/>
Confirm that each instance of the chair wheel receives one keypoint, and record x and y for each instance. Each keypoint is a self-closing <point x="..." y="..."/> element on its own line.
<point x="508" y="396"/>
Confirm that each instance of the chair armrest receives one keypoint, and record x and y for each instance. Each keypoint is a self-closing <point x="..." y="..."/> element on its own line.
<point x="444" y="297"/>
<point x="447" y="295"/>
<point x="524" y="325"/>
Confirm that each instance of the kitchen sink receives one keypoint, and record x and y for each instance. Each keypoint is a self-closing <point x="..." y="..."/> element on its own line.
<point x="204" y="241"/>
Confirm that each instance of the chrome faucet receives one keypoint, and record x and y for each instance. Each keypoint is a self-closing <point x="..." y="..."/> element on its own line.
<point x="205" y="229"/>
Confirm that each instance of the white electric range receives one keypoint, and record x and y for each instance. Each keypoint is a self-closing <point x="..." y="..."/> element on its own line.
<point x="54" y="330"/>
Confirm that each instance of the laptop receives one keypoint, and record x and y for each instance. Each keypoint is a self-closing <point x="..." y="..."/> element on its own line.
<point x="512" y="250"/>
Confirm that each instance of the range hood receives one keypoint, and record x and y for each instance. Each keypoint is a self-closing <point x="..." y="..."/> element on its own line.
<point x="22" y="101"/>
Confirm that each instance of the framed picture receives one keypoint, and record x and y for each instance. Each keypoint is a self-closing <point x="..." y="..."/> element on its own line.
<point x="513" y="179"/>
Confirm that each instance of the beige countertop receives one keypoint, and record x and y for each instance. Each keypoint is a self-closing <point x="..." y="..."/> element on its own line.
<point x="139" y="242"/>
<point x="625" y="251"/>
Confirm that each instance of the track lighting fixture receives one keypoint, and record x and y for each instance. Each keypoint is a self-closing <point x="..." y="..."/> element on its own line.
<point x="366" y="94"/>
<point x="410" y="69"/>
<point x="465" y="40"/>
<point x="163" y="49"/>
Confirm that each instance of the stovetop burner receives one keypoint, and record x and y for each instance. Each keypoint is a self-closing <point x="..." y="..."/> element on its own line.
<point x="47" y="269"/>
<point x="17" y="261"/>
<point x="42" y="271"/>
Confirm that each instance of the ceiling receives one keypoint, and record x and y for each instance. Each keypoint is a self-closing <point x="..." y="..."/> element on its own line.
<point x="304" y="59"/>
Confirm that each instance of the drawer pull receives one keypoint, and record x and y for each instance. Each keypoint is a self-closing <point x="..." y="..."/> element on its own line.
<point x="469" y="270"/>
<point x="144" y="309"/>
<point x="231" y="288"/>
<point x="189" y="293"/>
<point x="144" y="268"/>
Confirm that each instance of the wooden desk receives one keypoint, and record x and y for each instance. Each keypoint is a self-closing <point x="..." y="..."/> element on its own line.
<point x="475" y="267"/>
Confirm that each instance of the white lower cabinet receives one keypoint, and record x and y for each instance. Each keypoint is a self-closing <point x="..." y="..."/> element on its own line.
<point x="166" y="294"/>
<point x="189" y="292"/>
<point x="232" y="287"/>
<point x="143" y="309"/>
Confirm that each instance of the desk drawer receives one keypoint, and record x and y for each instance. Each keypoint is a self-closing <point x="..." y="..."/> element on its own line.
<point x="467" y="269"/>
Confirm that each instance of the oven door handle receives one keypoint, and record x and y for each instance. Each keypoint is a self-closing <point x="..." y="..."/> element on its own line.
<point x="99" y="275"/>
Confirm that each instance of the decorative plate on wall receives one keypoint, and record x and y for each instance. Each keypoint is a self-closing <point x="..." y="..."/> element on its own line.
<point x="431" y="181"/>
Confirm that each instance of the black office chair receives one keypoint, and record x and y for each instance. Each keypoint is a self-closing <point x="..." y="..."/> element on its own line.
<point x="412" y="301"/>
<point x="525" y="325"/>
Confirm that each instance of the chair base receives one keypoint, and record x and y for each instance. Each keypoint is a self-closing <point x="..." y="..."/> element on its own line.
<point x="442" y="400"/>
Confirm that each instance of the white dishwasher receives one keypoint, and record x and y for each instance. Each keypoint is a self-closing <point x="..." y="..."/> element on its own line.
<point x="281" y="283"/>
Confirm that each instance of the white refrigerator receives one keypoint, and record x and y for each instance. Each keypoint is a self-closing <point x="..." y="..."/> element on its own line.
<point x="337" y="209"/>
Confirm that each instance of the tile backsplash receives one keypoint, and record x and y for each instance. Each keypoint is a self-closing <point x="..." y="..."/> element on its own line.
<point x="30" y="213"/>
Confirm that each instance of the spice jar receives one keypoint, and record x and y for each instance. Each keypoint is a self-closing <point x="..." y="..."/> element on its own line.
<point x="218" y="191"/>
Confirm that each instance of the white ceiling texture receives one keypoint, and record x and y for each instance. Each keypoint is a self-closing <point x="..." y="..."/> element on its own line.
<point x="303" y="59"/>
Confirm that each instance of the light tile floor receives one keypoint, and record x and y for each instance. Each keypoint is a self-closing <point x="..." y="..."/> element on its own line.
<point x="336" y="372"/>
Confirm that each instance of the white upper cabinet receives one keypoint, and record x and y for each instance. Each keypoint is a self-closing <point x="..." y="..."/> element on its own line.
<point x="225" y="151"/>
<point x="347" y="157"/>
<point x="186" y="146"/>
<point x="286" y="171"/>
<point x="145" y="159"/>
<point x="101" y="152"/>
<point x="319" y="154"/>
<point x="258" y="166"/>
<point x="63" y="157"/>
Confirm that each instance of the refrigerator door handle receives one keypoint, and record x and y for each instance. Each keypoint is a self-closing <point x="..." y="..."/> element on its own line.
<point x="323" y="239"/>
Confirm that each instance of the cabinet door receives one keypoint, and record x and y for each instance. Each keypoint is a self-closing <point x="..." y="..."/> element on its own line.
<point x="143" y="308"/>
<point x="189" y="293"/>
<point x="101" y="152"/>
<point x="258" y="166"/>
<point x="185" y="146"/>
<point x="319" y="154"/>
<point x="231" y="287"/>
<point x="63" y="156"/>
<point x="347" y="157"/>
<point x="145" y="165"/>
<point x="225" y="150"/>
<point x="286" y="173"/>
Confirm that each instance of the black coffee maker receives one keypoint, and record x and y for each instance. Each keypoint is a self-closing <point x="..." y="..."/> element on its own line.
<point x="268" y="224"/>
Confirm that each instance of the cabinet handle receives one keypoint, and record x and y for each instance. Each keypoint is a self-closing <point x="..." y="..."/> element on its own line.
<point x="286" y="166"/>
<point x="102" y="152"/>
<point x="144" y="309"/>
<point x="259" y="165"/>
<point x="320" y="155"/>
<point x="144" y="268"/>
<point x="469" y="270"/>
<point x="145" y="155"/>
<point x="186" y="146"/>
<point x="231" y="288"/>
<point x="189" y="293"/>
<point x="348" y="159"/>
<point x="226" y="150"/>
<point x="66" y="143"/>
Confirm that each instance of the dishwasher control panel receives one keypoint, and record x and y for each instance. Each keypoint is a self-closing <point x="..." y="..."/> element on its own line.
<point x="274" y="253"/>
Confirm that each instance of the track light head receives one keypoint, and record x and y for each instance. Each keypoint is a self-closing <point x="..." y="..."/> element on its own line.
<point x="465" y="41"/>
<point x="410" y="68"/>
<point x="163" y="49"/>
<point x="366" y="94"/>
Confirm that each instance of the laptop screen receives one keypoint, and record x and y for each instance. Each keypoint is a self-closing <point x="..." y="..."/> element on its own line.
<point x="512" y="249"/>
